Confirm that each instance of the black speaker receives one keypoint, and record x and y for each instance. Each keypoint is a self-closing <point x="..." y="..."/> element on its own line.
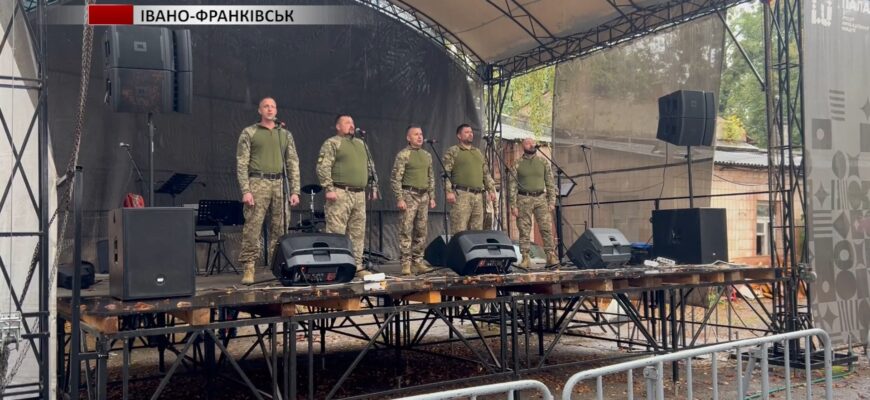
<point x="312" y="258"/>
<point x="66" y="274"/>
<point x="148" y="69"/>
<point x="151" y="252"/>
<point x="691" y="235"/>
<point x="183" y="90"/>
<point x="687" y="118"/>
<point x="480" y="252"/>
<point x="139" y="47"/>
<point x="436" y="252"/>
<point x="600" y="248"/>
<point x="140" y="90"/>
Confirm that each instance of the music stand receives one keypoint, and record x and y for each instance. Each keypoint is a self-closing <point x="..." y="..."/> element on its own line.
<point x="219" y="213"/>
<point x="175" y="185"/>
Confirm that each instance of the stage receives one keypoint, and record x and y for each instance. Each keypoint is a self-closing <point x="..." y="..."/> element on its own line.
<point x="517" y="319"/>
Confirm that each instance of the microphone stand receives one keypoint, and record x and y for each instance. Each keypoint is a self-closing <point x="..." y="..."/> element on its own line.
<point x="135" y="167"/>
<point x="444" y="179"/>
<point x="490" y="139"/>
<point x="285" y="182"/>
<point x="593" y="195"/>
<point x="559" y="173"/>
<point x="373" y="182"/>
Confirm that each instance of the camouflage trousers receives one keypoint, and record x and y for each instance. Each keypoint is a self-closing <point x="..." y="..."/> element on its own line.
<point x="347" y="216"/>
<point x="467" y="212"/>
<point x="267" y="194"/>
<point x="413" y="228"/>
<point x="537" y="206"/>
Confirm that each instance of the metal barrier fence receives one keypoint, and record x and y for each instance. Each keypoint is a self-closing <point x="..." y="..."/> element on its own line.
<point x="654" y="367"/>
<point x="509" y="388"/>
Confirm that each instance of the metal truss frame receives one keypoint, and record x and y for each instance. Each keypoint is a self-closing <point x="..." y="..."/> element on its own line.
<point x="37" y="334"/>
<point x="529" y="327"/>
<point x="786" y="180"/>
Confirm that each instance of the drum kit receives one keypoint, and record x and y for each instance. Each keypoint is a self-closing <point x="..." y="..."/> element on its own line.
<point x="316" y="221"/>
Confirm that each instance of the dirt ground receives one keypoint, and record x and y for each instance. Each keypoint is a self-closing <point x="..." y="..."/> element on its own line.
<point x="385" y="369"/>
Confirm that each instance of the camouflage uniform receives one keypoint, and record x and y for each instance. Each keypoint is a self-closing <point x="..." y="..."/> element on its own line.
<point x="267" y="192"/>
<point x="468" y="210"/>
<point x="537" y="205"/>
<point x="413" y="228"/>
<point x="347" y="214"/>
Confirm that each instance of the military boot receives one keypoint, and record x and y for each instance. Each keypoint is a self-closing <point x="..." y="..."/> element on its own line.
<point x="362" y="273"/>
<point x="552" y="259"/>
<point x="248" y="274"/>
<point x="527" y="260"/>
<point x="406" y="268"/>
<point x="419" y="268"/>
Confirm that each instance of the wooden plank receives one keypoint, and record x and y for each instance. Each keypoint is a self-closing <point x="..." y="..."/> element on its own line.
<point x="472" y="293"/>
<point x="644" y="282"/>
<point x="620" y="284"/>
<point x="732" y="276"/>
<point x="102" y="324"/>
<point x="760" y="274"/>
<point x="715" y="277"/>
<point x="548" y="288"/>
<point x="429" y="297"/>
<point x="271" y="310"/>
<point x="194" y="317"/>
<point x="689" y="279"/>
<point x="339" y="304"/>
<point x="605" y="285"/>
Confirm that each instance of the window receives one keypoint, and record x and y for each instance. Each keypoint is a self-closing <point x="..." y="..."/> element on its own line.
<point x="762" y="226"/>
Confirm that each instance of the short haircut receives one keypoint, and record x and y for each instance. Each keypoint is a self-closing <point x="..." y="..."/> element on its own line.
<point x="412" y="126"/>
<point x="461" y="127"/>
<point x="339" y="116"/>
<point x="264" y="99"/>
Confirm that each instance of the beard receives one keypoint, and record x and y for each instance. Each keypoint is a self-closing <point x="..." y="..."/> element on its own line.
<point x="530" y="152"/>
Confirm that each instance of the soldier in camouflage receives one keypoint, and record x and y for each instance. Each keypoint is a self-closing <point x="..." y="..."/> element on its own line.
<point x="345" y="170"/>
<point x="465" y="166"/>
<point x="413" y="183"/>
<point x="533" y="192"/>
<point x="265" y="154"/>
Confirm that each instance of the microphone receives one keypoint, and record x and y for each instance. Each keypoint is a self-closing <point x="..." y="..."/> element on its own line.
<point x="125" y="145"/>
<point x="431" y="141"/>
<point x="583" y="146"/>
<point x="538" y="146"/>
<point x="360" y="132"/>
<point x="278" y="122"/>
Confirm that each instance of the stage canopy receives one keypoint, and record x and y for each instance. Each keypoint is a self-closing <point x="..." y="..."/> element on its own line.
<point x="516" y="36"/>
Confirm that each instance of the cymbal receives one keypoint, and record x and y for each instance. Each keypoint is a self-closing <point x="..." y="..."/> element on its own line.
<point x="312" y="189"/>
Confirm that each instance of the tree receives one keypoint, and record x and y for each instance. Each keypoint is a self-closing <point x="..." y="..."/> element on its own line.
<point x="530" y="99"/>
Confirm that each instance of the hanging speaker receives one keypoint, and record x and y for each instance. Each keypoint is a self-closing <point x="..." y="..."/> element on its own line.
<point x="313" y="258"/>
<point x="687" y="118"/>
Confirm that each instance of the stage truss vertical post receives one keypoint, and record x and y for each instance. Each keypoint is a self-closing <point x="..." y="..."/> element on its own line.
<point x="495" y="93"/>
<point x="785" y="132"/>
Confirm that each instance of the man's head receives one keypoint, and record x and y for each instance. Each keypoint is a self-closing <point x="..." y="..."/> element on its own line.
<point x="529" y="145"/>
<point x="267" y="109"/>
<point x="344" y="125"/>
<point x="414" y="135"/>
<point x="464" y="134"/>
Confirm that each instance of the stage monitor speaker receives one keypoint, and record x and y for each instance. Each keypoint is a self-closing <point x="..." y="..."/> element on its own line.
<point x="687" y="118"/>
<point x="66" y="274"/>
<point x="313" y="258"/>
<point x="151" y="252"/>
<point x="691" y="235"/>
<point x="480" y="252"/>
<point x="600" y="248"/>
<point x="436" y="252"/>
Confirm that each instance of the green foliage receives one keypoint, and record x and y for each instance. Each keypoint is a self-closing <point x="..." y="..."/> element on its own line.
<point x="732" y="129"/>
<point x="530" y="99"/>
<point x="741" y="96"/>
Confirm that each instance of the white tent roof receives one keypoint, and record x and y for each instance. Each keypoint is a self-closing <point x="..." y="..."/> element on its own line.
<point x="517" y="36"/>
